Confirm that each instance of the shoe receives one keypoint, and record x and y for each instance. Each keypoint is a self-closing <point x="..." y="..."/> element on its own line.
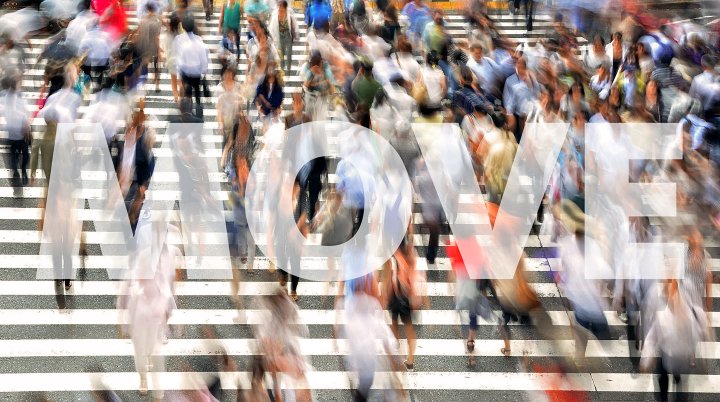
<point x="294" y="296"/>
<point x="623" y="317"/>
<point x="472" y="361"/>
<point x="68" y="285"/>
<point x="143" y="386"/>
<point x="409" y="366"/>
<point x="470" y="345"/>
<point x="506" y="352"/>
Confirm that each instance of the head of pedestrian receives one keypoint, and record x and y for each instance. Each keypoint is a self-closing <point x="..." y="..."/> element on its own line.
<point x="297" y="104"/>
<point x="10" y="83"/>
<point x="283" y="5"/>
<point x="228" y="72"/>
<point x="466" y="76"/>
<point x="432" y="59"/>
<point x="476" y="50"/>
<point x="316" y="62"/>
<point x="188" y="24"/>
<point x="599" y="44"/>
<point x="138" y="116"/>
<point x="708" y="63"/>
<point x="367" y="67"/>
<point x="438" y="18"/>
<point x="150" y="7"/>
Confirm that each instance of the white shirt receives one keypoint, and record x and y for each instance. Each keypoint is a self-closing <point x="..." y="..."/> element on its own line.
<point x="374" y="47"/>
<point x="486" y="71"/>
<point x="16" y="115"/>
<point x="109" y="109"/>
<point x="705" y="87"/>
<point x="433" y="78"/>
<point x="64" y="105"/>
<point x="78" y="28"/>
<point x="128" y="166"/>
<point x="97" y="45"/>
<point x="192" y="55"/>
<point x="407" y="65"/>
<point x="384" y="70"/>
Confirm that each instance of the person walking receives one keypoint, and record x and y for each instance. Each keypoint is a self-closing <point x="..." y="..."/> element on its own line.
<point x="403" y="297"/>
<point x="148" y="41"/>
<point x="230" y="17"/>
<point x="284" y="31"/>
<point x="192" y="62"/>
<point x="17" y="125"/>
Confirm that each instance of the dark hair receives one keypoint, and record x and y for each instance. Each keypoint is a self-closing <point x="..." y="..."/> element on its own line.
<point x="404" y="45"/>
<point x="174" y="24"/>
<point x="391" y="13"/>
<point x="150" y="7"/>
<point x="283" y="3"/>
<point x="599" y="38"/>
<point x="315" y="59"/>
<point x="466" y="75"/>
<point x="367" y="66"/>
<point x="432" y="59"/>
<point x="499" y="119"/>
<point x="398" y="80"/>
<point x="188" y="24"/>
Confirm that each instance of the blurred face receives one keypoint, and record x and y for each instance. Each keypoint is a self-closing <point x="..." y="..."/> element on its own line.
<point x="579" y="121"/>
<point x="598" y="46"/>
<point x="297" y="103"/>
<point x="576" y="95"/>
<point x="695" y="239"/>
<point x="614" y="95"/>
<point x="477" y="53"/>
<point x="651" y="89"/>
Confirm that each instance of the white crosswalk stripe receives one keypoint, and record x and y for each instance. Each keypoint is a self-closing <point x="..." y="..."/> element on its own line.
<point x="36" y="337"/>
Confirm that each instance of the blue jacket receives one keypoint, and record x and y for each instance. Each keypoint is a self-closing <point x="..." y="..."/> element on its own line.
<point x="318" y="13"/>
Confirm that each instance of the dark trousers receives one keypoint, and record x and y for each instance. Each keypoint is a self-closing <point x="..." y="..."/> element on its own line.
<point x="192" y="85"/>
<point x="19" y="153"/>
<point x="529" y="10"/>
<point x="288" y="260"/>
<point x="664" y="382"/>
<point x="208" y="6"/>
<point x="433" y="226"/>
<point x="314" y="186"/>
<point x="96" y="73"/>
<point x="62" y="265"/>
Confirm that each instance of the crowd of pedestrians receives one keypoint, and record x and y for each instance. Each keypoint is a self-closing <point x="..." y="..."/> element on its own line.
<point x="384" y="67"/>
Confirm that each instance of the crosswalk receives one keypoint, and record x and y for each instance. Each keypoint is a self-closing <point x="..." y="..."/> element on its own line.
<point x="66" y="354"/>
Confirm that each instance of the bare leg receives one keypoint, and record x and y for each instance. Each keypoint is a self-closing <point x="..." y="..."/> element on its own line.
<point x="411" y="340"/>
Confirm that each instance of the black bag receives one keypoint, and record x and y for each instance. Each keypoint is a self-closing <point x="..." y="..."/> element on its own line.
<point x="215" y="387"/>
<point x="399" y="303"/>
<point x="206" y="89"/>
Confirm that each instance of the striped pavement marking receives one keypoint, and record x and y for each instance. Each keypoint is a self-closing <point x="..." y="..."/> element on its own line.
<point x="28" y="321"/>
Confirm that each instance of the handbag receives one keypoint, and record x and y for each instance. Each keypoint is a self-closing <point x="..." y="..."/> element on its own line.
<point x="419" y="90"/>
<point x="206" y="89"/>
<point x="27" y="135"/>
